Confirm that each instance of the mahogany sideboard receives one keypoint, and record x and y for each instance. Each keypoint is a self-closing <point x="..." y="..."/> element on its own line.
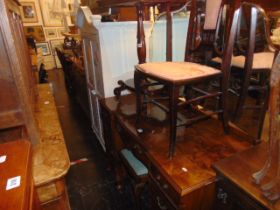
<point x="185" y="182"/>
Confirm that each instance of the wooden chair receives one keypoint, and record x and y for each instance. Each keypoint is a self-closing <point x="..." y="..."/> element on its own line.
<point x="177" y="74"/>
<point x="254" y="61"/>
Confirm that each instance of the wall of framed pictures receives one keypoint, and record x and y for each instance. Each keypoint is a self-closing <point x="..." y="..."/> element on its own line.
<point x="46" y="28"/>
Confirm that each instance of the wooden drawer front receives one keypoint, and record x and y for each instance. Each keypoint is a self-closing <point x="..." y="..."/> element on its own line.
<point x="158" y="200"/>
<point x="164" y="185"/>
<point x="132" y="145"/>
<point x="229" y="197"/>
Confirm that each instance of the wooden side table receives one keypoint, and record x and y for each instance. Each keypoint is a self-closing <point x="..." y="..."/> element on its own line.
<point x="18" y="163"/>
<point x="236" y="189"/>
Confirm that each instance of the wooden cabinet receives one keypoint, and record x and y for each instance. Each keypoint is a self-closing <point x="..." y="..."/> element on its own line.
<point x="17" y="83"/>
<point x="18" y="163"/>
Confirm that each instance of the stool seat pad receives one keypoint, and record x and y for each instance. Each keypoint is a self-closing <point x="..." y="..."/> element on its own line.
<point x="262" y="60"/>
<point x="138" y="167"/>
<point x="177" y="71"/>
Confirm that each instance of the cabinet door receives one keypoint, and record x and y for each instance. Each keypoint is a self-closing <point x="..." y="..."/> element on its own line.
<point x="230" y="197"/>
<point x="93" y="79"/>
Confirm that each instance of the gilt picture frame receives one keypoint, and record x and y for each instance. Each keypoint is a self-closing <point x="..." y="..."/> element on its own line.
<point x="36" y="32"/>
<point x="28" y="12"/>
<point x="50" y="19"/>
<point x="50" y="33"/>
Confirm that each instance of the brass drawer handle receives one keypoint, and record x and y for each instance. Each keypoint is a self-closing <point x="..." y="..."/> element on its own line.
<point x="158" y="177"/>
<point x="159" y="203"/>
<point x="222" y="195"/>
<point x="165" y="186"/>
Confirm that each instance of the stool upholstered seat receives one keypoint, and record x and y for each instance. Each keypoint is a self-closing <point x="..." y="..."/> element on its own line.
<point x="177" y="71"/>
<point x="136" y="165"/>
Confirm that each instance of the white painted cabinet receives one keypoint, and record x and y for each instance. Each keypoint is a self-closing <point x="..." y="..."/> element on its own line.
<point x="109" y="55"/>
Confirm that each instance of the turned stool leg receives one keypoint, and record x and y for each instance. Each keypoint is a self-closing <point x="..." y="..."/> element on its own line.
<point x="173" y="100"/>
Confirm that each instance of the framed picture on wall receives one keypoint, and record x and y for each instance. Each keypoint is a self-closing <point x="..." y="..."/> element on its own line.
<point x="60" y="31"/>
<point x="50" y="33"/>
<point x="49" y="18"/>
<point x="57" y="43"/>
<point x="45" y="47"/>
<point x="35" y="31"/>
<point x="28" y="12"/>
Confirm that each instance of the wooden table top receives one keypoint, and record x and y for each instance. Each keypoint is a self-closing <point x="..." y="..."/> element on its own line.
<point x="239" y="169"/>
<point x="198" y="146"/>
<point x="18" y="163"/>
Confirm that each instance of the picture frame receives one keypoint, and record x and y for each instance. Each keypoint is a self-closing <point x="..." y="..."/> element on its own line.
<point x="28" y="12"/>
<point x="60" y="31"/>
<point x="50" y="20"/>
<point x="45" y="47"/>
<point x="36" y="32"/>
<point x="56" y="43"/>
<point x="51" y="33"/>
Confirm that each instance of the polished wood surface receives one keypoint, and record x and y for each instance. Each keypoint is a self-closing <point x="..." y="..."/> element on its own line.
<point x="238" y="170"/>
<point x="18" y="163"/>
<point x="188" y="178"/>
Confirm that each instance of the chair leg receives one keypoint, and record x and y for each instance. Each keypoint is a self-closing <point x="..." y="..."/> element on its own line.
<point x="224" y="86"/>
<point x="173" y="100"/>
<point x="242" y="96"/>
<point x="137" y="84"/>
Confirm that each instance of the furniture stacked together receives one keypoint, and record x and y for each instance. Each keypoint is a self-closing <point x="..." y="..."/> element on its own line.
<point x="28" y="112"/>
<point x="187" y="180"/>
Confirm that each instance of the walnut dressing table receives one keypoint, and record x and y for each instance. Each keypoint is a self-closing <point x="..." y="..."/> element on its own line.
<point x="187" y="181"/>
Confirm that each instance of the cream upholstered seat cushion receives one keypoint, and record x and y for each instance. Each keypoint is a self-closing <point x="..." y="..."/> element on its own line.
<point x="263" y="60"/>
<point x="177" y="71"/>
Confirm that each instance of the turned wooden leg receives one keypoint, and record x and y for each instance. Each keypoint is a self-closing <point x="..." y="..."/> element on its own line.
<point x="173" y="100"/>
<point x="137" y="84"/>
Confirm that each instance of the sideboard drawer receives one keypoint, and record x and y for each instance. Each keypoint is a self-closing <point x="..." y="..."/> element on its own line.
<point x="165" y="186"/>
<point x="158" y="200"/>
<point x="131" y="144"/>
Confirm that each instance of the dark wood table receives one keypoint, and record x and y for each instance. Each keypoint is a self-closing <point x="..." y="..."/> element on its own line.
<point x="237" y="189"/>
<point x="188" y="180"/>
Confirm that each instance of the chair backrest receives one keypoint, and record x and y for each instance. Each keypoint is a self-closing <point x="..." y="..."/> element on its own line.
<point x="206" y="19"/>
<point x="258" y="32"/>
